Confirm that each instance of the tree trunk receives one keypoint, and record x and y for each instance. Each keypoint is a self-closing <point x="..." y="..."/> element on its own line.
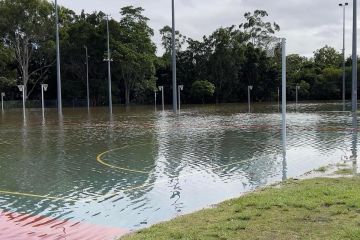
<point x="25" y="81"/>
<point x="127" y="95"/>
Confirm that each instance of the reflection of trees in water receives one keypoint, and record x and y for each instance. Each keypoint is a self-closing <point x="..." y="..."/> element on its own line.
<point x="30" y="171"/>
<point x="64" y="155"/>
<point x="327" y="133"/>
<point x="169" y="158"/>
<point x="202" y="149"/>
<point x="257" y="151"/>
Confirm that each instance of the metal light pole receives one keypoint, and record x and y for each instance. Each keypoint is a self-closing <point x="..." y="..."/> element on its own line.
<point x="174" y="58"/>
<point x="44" y="87"/>
<point x="250" y="88"/>
<point x="354" y="58"/>
<point x="2" y="101"/>
<point x="109" y="60"/>
<point x="344" y="72"/>
<point x="87" y="78"/>
<point x="22" y="89"/>
<point x="59" y="98"/>
<point x="297" y="95"/>
<point x="180" y="88"/>
<point x="161" y="88"/>
<point x="283" y="47"/>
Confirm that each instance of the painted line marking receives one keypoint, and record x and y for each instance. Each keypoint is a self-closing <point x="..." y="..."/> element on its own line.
<point x="102" y="162"/>
<point x="37" y="196"/>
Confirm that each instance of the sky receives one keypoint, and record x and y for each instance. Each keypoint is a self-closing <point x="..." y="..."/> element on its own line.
<point x="306" y="24"/>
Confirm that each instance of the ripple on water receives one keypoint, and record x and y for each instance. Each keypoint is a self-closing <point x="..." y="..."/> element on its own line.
<point x="184" y="162"/>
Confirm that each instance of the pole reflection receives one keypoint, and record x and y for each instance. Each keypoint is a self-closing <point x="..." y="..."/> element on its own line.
<point x="354" y="143"/>
<point x="283" y="141"/>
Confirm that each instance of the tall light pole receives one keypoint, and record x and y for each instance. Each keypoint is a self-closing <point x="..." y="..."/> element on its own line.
<point x="180" y="88"/>
<point x="354" y="58"/>
<point x="44" y="87"/>
<point x="2" y="101"/>
<point x="59" y="98"/>
<point x="22" y="89"/>
<point x="343" y="5"/>
<point x="174" y="58"/>
<point x="87" y="78"/>
<point x="109" y="60"/>
<point x="283" y="80"/>
<point x="250" y="88"/>
<point x="161" y="88"/>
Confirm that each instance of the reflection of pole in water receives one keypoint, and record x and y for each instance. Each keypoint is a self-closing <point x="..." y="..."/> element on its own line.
<point x="176" y="194"/>
<point x="24" y="133"/>
<point x="43" y="146"/>
<point x="283" y="141"/>
<point x="354" y="142"/>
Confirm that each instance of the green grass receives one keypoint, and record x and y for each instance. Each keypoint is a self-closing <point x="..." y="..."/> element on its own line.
<point x="344" y="171"/>
<point x="321" y="169"/>
<point x="341" y="164"/>
<point x="310" y="209"/>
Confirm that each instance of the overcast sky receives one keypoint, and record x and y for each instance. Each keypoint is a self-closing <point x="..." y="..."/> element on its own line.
<point x="307" y="24"/>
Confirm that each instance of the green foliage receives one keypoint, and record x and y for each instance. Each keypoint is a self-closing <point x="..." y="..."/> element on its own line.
<point x="230" y="58"/>
<point x="201" y="89"/>
<point x="134" y="51"/>
<point x="7" y="69"/>
<point x="327" y="57"/>
<point x="25" y="31"/>
<point x="166" y="41"/>
<point x="256" y="29"/>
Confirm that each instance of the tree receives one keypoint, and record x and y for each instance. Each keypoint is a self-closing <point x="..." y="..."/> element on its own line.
<point x="134" y="51"/>
<point x="7" y="68"/>
<point x="26" y="28"/>
<point x="85" y="30"/>
<point x="201" y="89"/>
<point x="256" y="29"/>
<point x="222" y="61"/>
<point x="166" y="41"/>
<point x="327" y="57"/>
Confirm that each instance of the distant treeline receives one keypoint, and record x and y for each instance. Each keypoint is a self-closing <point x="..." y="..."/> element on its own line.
<point x="217" y="68"/>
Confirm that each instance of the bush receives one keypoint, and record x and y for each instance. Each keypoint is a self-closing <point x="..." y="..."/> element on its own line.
<point x="201" y="89"/>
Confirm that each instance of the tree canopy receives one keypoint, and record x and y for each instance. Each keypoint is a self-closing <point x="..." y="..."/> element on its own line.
<point x="230" y="58"/>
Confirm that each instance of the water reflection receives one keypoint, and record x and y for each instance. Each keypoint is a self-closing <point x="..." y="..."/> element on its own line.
<point x="283" y="142"/>
<point x="186" y="162"/>
<point x="284" y="164"/>
<point x="354" y="143"/>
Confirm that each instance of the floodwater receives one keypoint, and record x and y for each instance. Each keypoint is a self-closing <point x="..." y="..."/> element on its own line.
<point x="95" y="176"/>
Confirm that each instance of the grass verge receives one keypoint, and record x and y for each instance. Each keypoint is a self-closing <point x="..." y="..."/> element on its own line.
<point x="311" y="209"/>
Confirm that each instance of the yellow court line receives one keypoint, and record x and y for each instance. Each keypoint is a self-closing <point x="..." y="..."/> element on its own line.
<point x="37" y="196"/>
<point x="101" y="161"/>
